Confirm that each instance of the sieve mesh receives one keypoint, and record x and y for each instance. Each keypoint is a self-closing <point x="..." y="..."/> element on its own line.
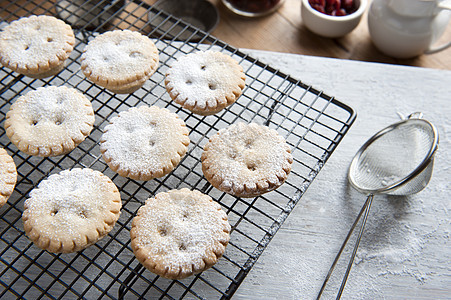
<point x="394" y="156"/>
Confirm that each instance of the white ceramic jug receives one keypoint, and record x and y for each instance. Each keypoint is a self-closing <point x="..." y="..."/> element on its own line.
<point x="407" y="28"/>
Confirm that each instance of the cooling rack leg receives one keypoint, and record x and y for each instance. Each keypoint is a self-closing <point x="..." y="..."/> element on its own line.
<point x="125" y="286"/>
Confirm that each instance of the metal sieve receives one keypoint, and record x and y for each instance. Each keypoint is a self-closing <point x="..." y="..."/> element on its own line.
<point x="397" y="160"/>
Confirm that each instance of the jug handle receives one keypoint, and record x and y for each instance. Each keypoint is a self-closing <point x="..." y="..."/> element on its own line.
<point x="445" y="4"/>
<point x="435" y="49"/>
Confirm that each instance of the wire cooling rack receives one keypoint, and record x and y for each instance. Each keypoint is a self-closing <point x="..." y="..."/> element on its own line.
<point x="312" y="123"/>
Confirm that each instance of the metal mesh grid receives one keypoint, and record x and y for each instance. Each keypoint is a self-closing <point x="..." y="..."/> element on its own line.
<point x="312" y="123"/>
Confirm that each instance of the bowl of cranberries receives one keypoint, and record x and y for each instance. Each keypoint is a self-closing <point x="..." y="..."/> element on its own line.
<point x="332" y="18"/>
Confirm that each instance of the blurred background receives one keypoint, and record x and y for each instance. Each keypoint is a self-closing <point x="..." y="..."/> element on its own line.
<point x="282" y="30"/>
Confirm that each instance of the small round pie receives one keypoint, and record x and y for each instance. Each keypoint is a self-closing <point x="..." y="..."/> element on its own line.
<point x="179" y="233"/>
<point x="49" y="121"/>
<point x="246" y="160"/>
<point x="144" y="143"/>
<point x="8" y="176"/>
<point x="71" y="210"/>
<point x="205" y="82"/>
<point x="36" y="46"/>
<point x="120" y="60"/>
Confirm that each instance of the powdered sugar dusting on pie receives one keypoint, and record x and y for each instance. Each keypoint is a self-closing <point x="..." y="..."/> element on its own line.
<point x="71" y="210"/>
<point x="246" y="160"/>
<point x="205" y="82"/>
<point x="49" y="121"/>
<point x="179" y="233"/>
<point x="144" y="143"/>
<point x="120" y="60"/>
<point x="36" y="45"/>
<point x="8" y="176"/>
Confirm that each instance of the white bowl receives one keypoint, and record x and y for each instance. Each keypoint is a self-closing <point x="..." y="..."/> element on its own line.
<point x="331" y="26"/>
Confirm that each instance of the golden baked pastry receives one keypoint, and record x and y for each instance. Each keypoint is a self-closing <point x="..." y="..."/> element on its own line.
<point x="120" y="60"/>
<point x="49" y="121"/>
<point x="246" y="160"/>
<point x="144" y="143"/>
<point x="205" y="82"/>
<point x="71" y="210"/>
<point x="8" y="176"/>
<point x="36" y="46"/>
<point x="179" y="233"/>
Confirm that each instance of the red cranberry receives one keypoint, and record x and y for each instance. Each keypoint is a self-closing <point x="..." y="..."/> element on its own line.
<point x="334" y="7"/>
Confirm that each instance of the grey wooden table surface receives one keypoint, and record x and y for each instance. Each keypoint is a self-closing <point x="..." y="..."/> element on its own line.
<point x="405" y="252"/>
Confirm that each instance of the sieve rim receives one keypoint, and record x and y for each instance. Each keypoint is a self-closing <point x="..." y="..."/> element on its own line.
<point x="420" y="168"/>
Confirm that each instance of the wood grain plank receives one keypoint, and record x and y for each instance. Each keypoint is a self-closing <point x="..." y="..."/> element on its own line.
<point x="283" y="31"/>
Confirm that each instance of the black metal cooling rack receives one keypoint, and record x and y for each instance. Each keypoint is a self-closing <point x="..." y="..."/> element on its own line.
<point x="312" y="123"/>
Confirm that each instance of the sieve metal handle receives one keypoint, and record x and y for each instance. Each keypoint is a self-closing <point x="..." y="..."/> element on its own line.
<point x="414" y="115"/>
<point x="364" y="211"/>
